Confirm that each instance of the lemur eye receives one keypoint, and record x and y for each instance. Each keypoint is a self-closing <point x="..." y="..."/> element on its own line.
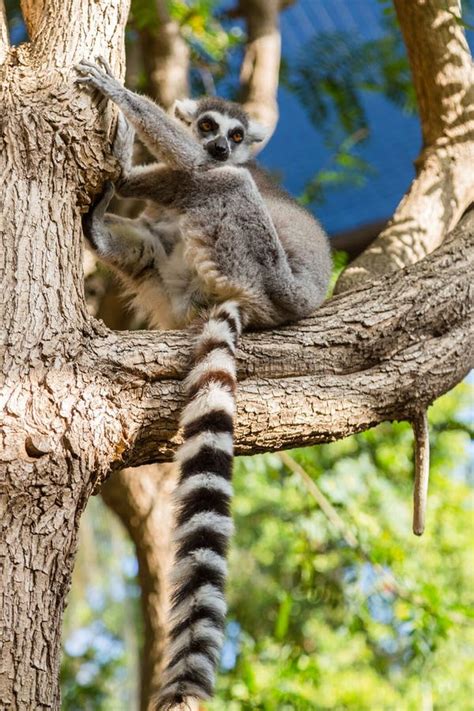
<point x="237" y="136"/>
<point x="205" y="126"/>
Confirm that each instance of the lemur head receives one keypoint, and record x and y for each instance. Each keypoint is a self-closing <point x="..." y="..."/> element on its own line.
<point x="222" y="127"/>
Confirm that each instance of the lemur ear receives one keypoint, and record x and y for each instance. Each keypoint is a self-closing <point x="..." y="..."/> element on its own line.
<point x="256" y="132"/>
<point x="185" y="110"/>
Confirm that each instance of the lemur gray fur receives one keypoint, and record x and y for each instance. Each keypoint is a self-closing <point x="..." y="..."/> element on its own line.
<point x="218" y="236"/>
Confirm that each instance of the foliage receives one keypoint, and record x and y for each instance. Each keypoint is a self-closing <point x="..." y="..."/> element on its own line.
<point x="346" y="67"/>
<point x="317" y="621"/>
<point x="343" y="168"/>
<point x="332" y="78"/>
<point x="102" y="622"/>
<point x="210" y="38"/>
<point x="381" y="624"/>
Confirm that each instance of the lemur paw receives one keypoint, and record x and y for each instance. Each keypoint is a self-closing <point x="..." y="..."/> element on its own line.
<point x="94" y="76"/>
<point x="92" y="220"/>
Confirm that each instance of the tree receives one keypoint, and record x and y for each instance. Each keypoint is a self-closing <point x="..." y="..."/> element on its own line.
<point x="79" y="400"/>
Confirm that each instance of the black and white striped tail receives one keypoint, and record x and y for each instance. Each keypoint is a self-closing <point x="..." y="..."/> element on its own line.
<point x="203" y="522"/>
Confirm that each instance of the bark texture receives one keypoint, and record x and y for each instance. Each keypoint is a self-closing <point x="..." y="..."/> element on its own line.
<point x="54" y="418"/>
<point x="443" y="76"/>
<point x="4" y="40"/>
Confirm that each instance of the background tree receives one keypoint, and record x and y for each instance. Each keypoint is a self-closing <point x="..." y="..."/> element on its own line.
<point x="78" y="399"/>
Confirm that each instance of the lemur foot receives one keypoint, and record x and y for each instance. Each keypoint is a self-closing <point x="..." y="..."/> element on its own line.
<point x="95" y="216"/>
<point x="96" y="77"/>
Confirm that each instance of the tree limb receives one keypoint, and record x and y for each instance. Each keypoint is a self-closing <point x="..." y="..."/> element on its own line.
<point x="166" y="58"/>
<point x="443" y="189"/>
<point x="261" y="63"/>
<point x="441" y="66"/>
<point x="379" y="353"/>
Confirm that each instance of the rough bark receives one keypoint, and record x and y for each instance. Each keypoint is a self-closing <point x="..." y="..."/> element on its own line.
<point x="4" y="40"/>
<point x="54" y="418"/>
<point x="443" y="76"/>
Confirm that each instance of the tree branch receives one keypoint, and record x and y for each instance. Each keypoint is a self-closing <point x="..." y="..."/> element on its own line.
<point x="441" y="65"/>
<point x="143" y="502"/>
<point x="166" y="58"/>
<point x="261" y="63"/>
<point x="443" y="189"/>
<point x="4" y="39"/>
<point x="380" y="353"/>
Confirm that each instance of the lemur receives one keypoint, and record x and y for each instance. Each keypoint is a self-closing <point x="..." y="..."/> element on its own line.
<point x="216" y="237"/>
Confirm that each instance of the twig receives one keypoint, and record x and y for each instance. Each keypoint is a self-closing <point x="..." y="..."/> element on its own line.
<point x="422" y="471"/>
<point x="325" y="505"/>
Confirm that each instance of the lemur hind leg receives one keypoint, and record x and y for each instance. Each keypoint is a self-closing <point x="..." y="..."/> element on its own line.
<point x="126" y="245"/>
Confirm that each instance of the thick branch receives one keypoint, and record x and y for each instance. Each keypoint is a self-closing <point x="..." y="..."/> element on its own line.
<point x="443" y="189"/>
<point x="432" y="207"/>
<point x="441" y="65"/>
<point x="54" y="153"/>
<point x="261" y="63"/>
<point x="33" y="11"/>
<point x="380" y="353"/>
<point x="166" y="58"/>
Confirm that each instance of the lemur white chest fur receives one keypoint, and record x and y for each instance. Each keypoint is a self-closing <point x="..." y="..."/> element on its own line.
<point x="217" y="238"/>
<point x="183" y="282"/>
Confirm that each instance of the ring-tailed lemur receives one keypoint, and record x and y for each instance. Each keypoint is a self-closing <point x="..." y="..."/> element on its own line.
<point x="216" y="234"/>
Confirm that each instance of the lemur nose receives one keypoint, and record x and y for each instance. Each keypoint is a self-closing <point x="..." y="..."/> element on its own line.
<point x="219" y="148"/>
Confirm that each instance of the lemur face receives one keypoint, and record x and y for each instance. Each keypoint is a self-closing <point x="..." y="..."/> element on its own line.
<point x="222" y="136"/>
<point x="223" y="128"/>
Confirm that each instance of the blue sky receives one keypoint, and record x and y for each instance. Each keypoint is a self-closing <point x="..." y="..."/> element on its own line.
<point x="297" y="150"/>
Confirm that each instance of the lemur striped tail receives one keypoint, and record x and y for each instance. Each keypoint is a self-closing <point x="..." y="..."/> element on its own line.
<point x="203" y="521"/>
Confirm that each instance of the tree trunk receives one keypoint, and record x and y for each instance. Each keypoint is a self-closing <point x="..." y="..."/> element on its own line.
<point x="54" y="421"/>
<point x="259" y="74"/>
<point x="142" y="499"/>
